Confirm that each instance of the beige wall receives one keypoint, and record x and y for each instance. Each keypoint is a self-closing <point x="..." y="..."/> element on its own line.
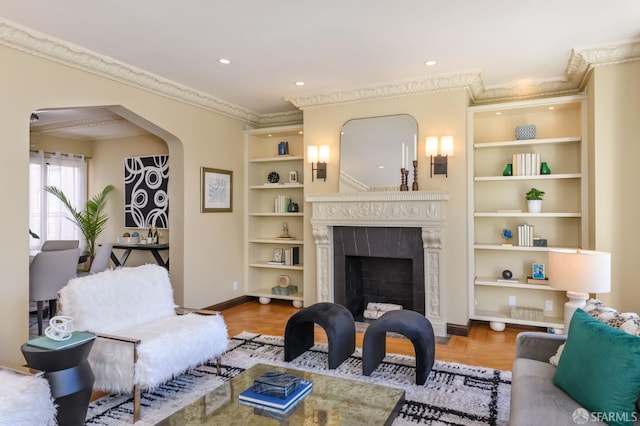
<point x="615" y="99"/>
<point x="437" y="114"/>
<point x="206" y="248"/>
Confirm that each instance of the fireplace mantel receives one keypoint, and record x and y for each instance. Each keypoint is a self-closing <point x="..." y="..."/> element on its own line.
<point x="413" y="209"/>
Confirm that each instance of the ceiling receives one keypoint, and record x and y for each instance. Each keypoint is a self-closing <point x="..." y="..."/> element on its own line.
<point x="330" y="45"/>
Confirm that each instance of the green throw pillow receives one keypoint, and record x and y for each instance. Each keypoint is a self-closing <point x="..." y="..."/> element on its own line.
<point x="600" y="369"/>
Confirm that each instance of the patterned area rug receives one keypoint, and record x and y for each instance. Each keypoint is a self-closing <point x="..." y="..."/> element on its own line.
<point x="454" y="394"/>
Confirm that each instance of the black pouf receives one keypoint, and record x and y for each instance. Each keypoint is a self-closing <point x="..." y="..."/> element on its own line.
<point x="410" y="324"/>
<point x="337" y="322"/>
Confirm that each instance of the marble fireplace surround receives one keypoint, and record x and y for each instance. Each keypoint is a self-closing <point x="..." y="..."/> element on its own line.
<point x="411" y="209"/>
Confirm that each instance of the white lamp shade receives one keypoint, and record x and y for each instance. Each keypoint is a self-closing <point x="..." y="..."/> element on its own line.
<point x="583" y="271"/>
<point x="431" y="146"/>
<point x="323" y="156"/>
<point x="446" y="145"/>
<point x="312" y="154"/>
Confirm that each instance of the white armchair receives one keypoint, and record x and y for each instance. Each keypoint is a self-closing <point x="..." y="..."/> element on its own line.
<point x="142" y="341"/>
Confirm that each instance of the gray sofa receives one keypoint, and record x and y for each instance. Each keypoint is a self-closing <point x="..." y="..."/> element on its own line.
<point x="535" y="400"/>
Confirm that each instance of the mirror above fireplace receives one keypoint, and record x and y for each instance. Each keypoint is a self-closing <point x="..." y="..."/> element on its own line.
<point x="371" y="152"/>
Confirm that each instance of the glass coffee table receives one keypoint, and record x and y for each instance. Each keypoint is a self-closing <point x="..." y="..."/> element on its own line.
<point x="333" y="401"/>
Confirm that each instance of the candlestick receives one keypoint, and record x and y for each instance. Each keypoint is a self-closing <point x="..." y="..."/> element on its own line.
<point x="403" y="182"/>
<point x="414" y="187"/>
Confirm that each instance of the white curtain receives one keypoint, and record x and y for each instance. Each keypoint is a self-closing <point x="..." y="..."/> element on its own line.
<point x="48" y="216"/>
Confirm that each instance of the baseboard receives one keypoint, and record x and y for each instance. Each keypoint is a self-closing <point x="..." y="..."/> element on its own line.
<point x="230" y="303"/>
<point x="458" y="329"/>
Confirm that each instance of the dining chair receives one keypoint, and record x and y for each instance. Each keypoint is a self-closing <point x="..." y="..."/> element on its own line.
<point x="51" y="245"/>
<point x="48" y="273"/>
<point x="100" y="261"/>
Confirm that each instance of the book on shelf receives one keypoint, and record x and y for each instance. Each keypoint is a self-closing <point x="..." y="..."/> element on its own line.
<point x="509" y="280"/>
<point x="250" y="397"/>
<point x="525" y="235"/>
<point x="77" y="337"/>
<point x="292" y="256"/>
<point x="275" y="262"/>
<point x="526" y="164"/>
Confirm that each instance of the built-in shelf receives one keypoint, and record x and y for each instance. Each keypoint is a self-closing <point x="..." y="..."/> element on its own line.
<point x="526" y="142"/>
<point x="276" y="241"/>
<point x="266" y="292"/>
<point x="278" y="158"/>
<point x="498" y="202"/>
<point x="284" y="214"/>
<point x="265" y="264"/>
<point x="528" y="177"/>
<point x="493" y="282"/>
<point x="527" y="214"/>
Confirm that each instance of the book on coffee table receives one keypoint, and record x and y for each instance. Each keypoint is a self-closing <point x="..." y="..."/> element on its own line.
<point x="276" y="383"/>
<point x="255" y="399"/>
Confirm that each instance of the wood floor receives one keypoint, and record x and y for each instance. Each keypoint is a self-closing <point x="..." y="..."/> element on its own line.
<point x="483" y="347"/>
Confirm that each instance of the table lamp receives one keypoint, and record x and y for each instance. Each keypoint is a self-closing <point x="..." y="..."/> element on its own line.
<point x="579" y="272"/>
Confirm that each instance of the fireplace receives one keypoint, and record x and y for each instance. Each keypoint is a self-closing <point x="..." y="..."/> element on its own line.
<point x="373" y="218"/>
<point x="380" y="265"/>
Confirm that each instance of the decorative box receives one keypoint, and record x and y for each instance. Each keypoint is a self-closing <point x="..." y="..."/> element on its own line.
<point x="526" y="131"/>
<point x="284" y="290"/>
<point x="530" y="314"/>
<point x="277" y="384"/>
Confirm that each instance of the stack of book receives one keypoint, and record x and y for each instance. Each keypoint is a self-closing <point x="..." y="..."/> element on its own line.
<point x="275" y="393"/>
<point x="526" y="164"/>
<point x="292" y="256"/>
<point x="281" y="204"/>
<point x="525" y="235"/>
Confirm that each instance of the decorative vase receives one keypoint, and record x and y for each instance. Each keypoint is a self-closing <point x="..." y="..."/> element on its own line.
<point x="534" y="206"/>
<point x="544" y="169"/>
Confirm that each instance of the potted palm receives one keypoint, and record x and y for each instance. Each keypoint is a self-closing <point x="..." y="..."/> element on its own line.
<point x="91" y="220"/>
<point x="534" y="200"/>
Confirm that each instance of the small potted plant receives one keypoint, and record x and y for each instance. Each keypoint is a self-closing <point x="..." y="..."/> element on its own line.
<point x="534" y="200"/>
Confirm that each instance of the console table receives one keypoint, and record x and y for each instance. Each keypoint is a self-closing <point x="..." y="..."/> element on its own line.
<point x="155" y="250"/>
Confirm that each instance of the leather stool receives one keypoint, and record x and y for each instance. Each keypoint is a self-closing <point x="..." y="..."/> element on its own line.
<point x="337" y="322"/>
<point x="410" y="324"/>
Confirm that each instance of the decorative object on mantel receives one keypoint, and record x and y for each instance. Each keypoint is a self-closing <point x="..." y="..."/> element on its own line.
<point x="526" y="131"/>
<point x="404" y="179"/>
<point x="534" y="200"/>
<point x="414" y="187"/>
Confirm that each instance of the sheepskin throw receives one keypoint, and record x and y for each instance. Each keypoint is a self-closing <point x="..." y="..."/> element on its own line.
<point x="25" y="400"/>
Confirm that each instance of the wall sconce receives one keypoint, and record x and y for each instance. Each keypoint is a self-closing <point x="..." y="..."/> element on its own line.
<point x="318" y="157"/>
<point x="439" y="161"/>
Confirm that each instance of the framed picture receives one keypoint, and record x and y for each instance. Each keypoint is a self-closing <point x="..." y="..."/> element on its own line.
<point x="217" y="190"/>
<point x="293" y="176"/>
<point x="278" y="255"/>
<point x="538" y="271"/>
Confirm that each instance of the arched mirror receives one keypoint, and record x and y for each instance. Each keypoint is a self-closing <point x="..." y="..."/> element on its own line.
<point x="371" y="152"/>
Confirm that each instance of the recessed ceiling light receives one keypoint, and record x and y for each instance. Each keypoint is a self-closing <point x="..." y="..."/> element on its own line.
<point x="430" y="63"/>
<point x="299" y="83"/>
<point x="498" y="113"/>
<point x="552" y="107"/>
<point x="224" y="61"/>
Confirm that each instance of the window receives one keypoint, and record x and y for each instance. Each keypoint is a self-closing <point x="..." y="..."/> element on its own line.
<point x="48" y="217"/>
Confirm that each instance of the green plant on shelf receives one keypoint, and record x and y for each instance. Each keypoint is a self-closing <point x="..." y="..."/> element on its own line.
<point x="534" y="194"/>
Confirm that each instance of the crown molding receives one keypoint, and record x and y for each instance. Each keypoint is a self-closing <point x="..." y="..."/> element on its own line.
<point x="38" y="44"/>
<point x="414" y="86"/>
<point x="580" y="64"/>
